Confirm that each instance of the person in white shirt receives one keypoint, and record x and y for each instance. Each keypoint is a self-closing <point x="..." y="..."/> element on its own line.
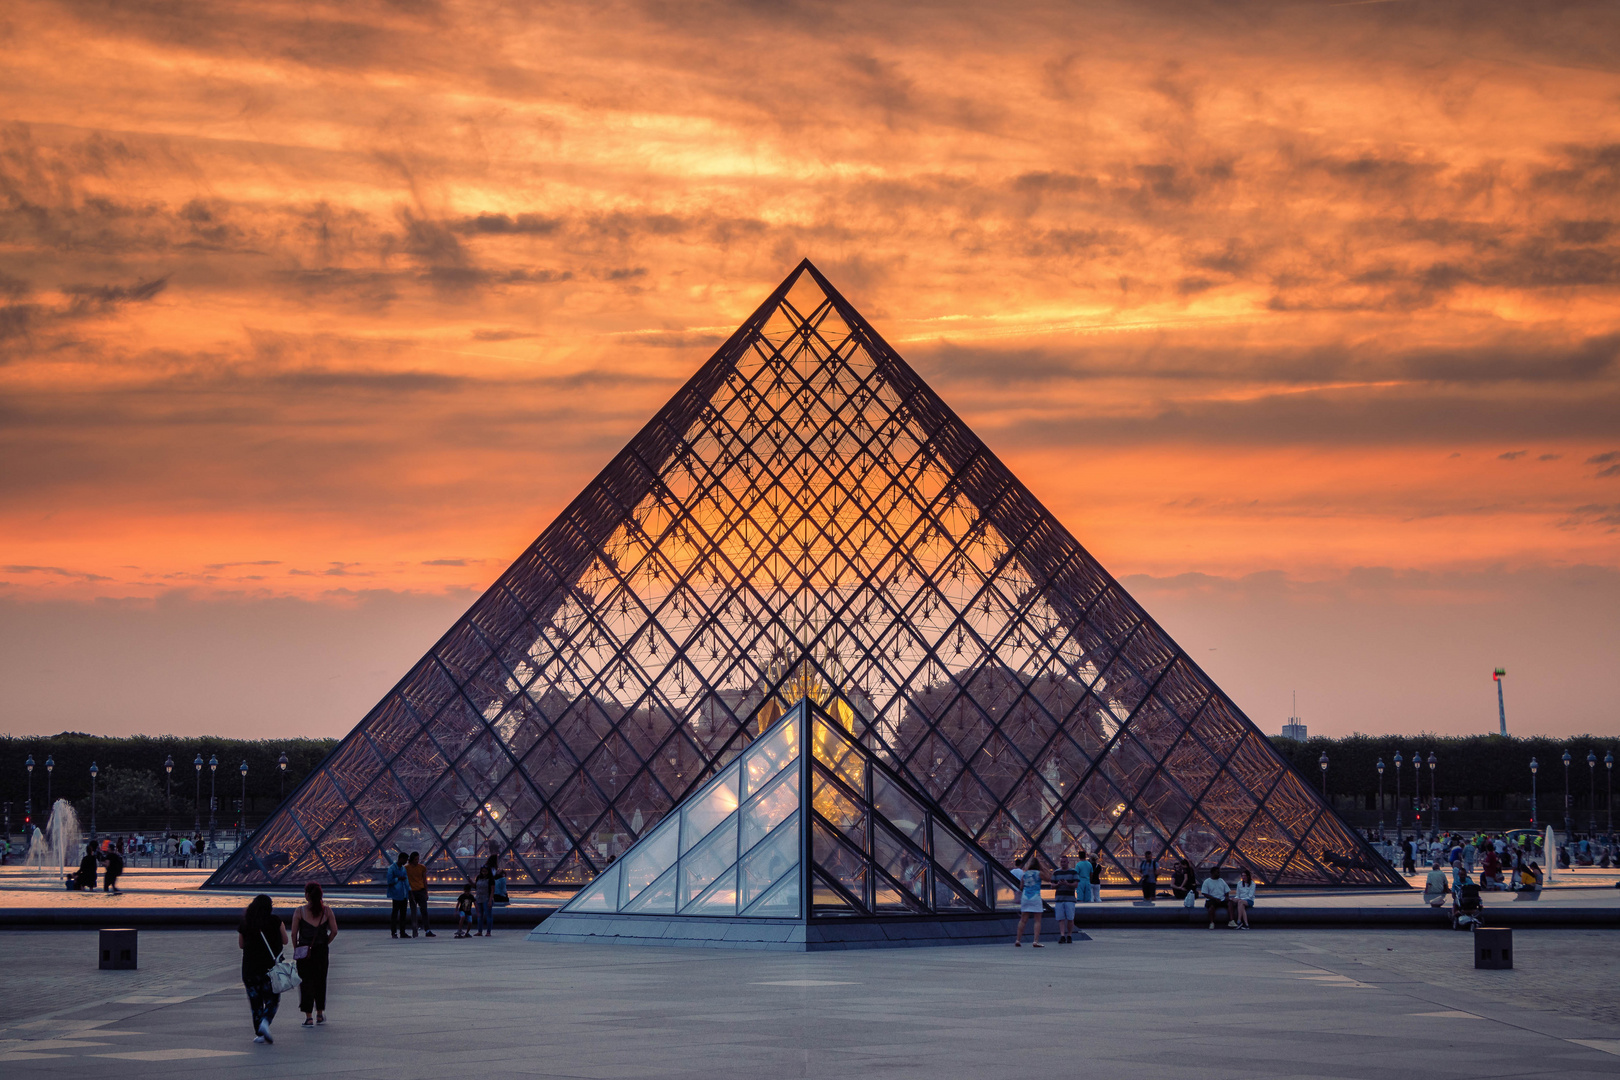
<point x="1242" y="901"/>
<point x="1214" y="890"/>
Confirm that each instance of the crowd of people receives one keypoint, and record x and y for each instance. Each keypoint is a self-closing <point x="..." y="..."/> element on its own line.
<point x="1079" y="880"/>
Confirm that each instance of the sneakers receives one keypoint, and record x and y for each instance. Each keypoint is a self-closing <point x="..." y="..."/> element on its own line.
<point x="1211" y="926"/>
<point x="430" y="934"/>
<point x="264" y="1031"/>
<point x="258" y="1038"/>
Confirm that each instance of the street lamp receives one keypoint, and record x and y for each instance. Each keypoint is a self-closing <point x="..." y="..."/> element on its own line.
<point x="93" y="773"/>
<point x="196" y="799"/>
<point x="1608" y="768"/>
<point x="1417" y="793"/>
<point x="1399" y="839"/>
<point x="243" y="814"/>
<point x="28" y="806"/>
<point x="1380" y="799"/>
<point x="213" y="798"/>
<point x="1569" y="823"/>
<point x="1434" y="823"/>
<point x="1533" y="768"/>
<point x="50" y="767"/>
<point x="1591" y="793"/>
<point x="1322" y="762"/>
<point x="282" y="762"/>
<point x="168" y="798"/>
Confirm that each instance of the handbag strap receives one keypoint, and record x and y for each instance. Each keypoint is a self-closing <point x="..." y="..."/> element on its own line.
<point x="275" y="954"/>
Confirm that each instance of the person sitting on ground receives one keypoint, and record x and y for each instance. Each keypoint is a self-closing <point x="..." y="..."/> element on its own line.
<point x="1531" y="877"/>
<point x="1435" y="886"/>
<point x="1468" y="904"/>
<point x="115" y="867"/>
<point x="1243" y="900"/>
<point x="1491" y="870"/>
<point x="464" y="912"/>
<point x="1214" y="890"/>
<point x="86" y="878"/>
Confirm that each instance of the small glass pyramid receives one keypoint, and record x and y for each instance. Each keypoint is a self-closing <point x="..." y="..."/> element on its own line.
<point x="736" y="847"/>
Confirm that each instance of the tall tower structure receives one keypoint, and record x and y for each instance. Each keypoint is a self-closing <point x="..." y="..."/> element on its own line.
<point x="1501" y="709"/>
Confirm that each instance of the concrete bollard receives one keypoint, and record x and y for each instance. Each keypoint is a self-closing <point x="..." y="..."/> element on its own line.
<point x="118" y="950"/>
<point x="1493" y="948"/>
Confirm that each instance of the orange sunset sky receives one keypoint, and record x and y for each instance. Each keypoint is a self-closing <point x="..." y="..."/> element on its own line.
<point x="1302" y="316"/>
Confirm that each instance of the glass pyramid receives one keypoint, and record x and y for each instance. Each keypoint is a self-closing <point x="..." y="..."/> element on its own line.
<point x="736" y="846"/>
<point x="804" y="519"/>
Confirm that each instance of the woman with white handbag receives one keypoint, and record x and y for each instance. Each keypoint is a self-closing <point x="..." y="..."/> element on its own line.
<point x="265" y="975"/>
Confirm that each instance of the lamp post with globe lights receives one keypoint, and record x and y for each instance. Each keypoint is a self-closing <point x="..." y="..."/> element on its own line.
<point x="50" y="767"/>
<point x="1417" y="792"/>
<point x="281" y="763"/>
<point x="1533" y="768"/>
<point x="1434" y="822"/>
<point x="1569" y="821"/>
<point x="1591" y="793"/>
<point x="94" y="772"/>
<point x="213" y="800"/>
<point x="196" y="799"/>
<point x="1323" y="762"/>
<point x="1399" y="837"/>
<point x="28" y="804"/>
<point x="1380" y="799"/>
<point x="168" y="798"/>
<point x="241" y="816"/>
<point x="1608" y="768"/>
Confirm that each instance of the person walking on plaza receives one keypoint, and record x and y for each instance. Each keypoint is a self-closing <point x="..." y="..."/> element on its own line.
<point x="1243" y="900"/>
<point x="115" y="869"/>
<point x="399" y="891"/>
<point x="261" y="938"/>
<point x="1149" y="871"/>
<point x="416" y="877"/>
<point x="1065" y="887"/>
<point x="464" y="911"/>
<point x="314" y="925"/>
<point x="1029" y="898"/>
<point x="1409" y="857"/>
<point x="1214" y="890"/>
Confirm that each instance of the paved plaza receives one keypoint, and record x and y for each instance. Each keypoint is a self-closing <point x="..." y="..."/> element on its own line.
<point x="1128" y="1003"/>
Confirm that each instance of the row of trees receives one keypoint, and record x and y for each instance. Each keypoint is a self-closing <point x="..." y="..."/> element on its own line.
<point x="131" y="787"/>
<point x="1487" y="777"/>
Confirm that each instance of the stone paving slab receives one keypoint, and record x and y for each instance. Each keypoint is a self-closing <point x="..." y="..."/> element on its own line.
<point x="1130" y="1003"/>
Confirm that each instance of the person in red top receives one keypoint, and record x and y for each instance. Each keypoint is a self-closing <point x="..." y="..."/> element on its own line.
<point x="416" y="877"/>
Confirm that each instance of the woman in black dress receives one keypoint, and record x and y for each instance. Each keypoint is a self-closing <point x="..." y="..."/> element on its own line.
<point x="313" y="927"/>
<point x="261" y="937"/>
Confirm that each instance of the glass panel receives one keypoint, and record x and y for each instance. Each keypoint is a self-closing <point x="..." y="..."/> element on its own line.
<point x="824" y="897"/>
<point x="709" y="809"/>
<point x="900" y="862"/>
<point x="769" y="809"/>
<point x="721" y="899"/>
<point x="839" y="809"/>
<point x="846" y="867"/>
<point x="766" y="864"/>
<point x="900" y="809"/>
<point x="656" y="899"/>
<point x="948" y="899"/>
<point x="770" y="755"/>
<point x="598" y="895"/>
<point x="1006" y="895"/>
<point x="702" y="865"/>
<point x="781" y="902"/>
<point x="961" y="863"/>
<point x="643" y="865"/>
<point x="835" y="752"/>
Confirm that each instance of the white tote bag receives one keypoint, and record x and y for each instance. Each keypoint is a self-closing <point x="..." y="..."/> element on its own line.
<point x="283" y="973"/>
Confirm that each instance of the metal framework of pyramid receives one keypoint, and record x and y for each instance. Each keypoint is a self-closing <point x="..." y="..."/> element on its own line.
<point x="804" y="519"/>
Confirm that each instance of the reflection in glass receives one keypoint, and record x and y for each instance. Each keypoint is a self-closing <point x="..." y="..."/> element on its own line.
<point x="769" y="756"/>
<point x="650" y="858"/>
<point x="765" y="865"/>
<point x="709" y="809"/>
<point x="701" y="865"/>
<point x="769" y="809"/>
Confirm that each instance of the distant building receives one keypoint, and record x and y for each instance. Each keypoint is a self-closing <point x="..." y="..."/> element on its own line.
<point x="1294" y="729"/>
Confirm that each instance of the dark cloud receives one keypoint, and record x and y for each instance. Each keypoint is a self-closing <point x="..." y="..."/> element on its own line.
<point x="1512" y="455"/>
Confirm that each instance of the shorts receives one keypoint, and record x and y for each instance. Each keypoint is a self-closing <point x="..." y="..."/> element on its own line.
<point x="1065" y="910"/>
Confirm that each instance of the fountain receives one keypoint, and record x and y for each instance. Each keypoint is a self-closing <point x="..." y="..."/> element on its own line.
<point x="59" y="846"/>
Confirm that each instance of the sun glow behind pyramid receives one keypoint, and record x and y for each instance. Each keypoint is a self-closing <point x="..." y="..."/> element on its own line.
<point x="805" y="518"/>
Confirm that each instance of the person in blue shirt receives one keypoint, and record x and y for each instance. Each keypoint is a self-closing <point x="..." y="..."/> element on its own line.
<point x="1029" y="898"/>
<point x="399" y="891"/>
<point x="1083" y="868"/>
